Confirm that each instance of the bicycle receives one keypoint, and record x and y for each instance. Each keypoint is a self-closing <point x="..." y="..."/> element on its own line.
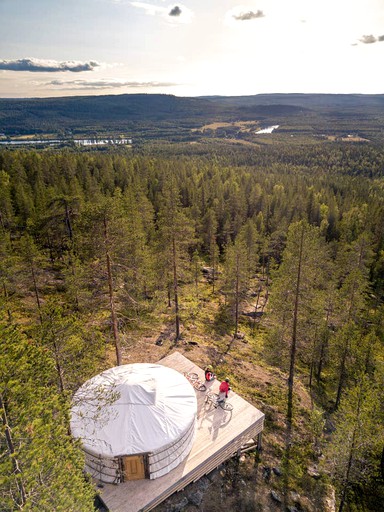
<point x="213" y="399"/>
<point x="193" y="378"/>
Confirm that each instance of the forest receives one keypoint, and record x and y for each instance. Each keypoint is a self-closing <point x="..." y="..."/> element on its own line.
<point x="164" y="117"/>
<point x="264" y="259"/>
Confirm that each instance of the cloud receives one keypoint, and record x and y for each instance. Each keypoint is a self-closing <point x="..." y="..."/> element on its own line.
<point x="240" y="13"/>
<point x="249" y="15"/>
<point x="103" y="84"/>
<point x="50" y="66"/>
<point x="175" y="11"/>
<point x="368" y="39"/>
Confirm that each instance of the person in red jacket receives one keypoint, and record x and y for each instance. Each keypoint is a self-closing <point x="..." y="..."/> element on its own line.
<point x="209" y="375"/>
<point x="224" y="390"/>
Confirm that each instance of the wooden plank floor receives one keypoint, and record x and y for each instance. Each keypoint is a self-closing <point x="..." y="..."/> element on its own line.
<point x="219" y="434"/>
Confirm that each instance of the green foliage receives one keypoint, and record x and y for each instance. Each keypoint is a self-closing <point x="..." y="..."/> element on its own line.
<point x="354" y="451"/>
<point x="72" y="345"/>
<point x="303" y="118"/>
<point x="223" y="322"/>
<point x="235" y="278"/>
<point x="38" y="452"/>
<point x="297" y="292"/>
<point x="80" y="232"/>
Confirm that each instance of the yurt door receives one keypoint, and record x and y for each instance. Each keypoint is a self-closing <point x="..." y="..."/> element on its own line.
<point x="134" y="468"/>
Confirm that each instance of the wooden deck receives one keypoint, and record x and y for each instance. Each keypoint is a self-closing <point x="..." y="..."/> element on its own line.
<point x="219" y="435"/>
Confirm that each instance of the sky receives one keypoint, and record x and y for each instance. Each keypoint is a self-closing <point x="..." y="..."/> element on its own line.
<point x="195" y="48"/>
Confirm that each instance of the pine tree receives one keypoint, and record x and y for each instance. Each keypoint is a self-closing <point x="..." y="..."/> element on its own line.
<point x="6" y="209"/>
<point x="354" y="452"/>
<point x="294" y="297"/>
<point x="352" y="296"/>
<point x="175" y="235"/>
<point x="33" y="261"/>
<point x="100" y="233"/>
<point x="74" y="347"/>
<point x="7" y="272"/>
<point x="137" y="258"/>
<point x="209" y="235"/>
<point x="353" y="261"/>
<point x="41" y="466"/>
<point x="235" y="279"/>
<point x="56" y="227"/>
<point x="248" y="234"/>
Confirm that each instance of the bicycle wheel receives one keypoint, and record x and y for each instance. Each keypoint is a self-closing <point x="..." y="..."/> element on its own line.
<point x="200" y="386"/>
<point x="226" y="406"/>
<point x="211" y="398"/>
<point x="191" y="376"/>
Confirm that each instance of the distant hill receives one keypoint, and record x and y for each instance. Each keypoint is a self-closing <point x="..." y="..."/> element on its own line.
<point x="171" y="118"/>
<point x="312" y="101"/>
<point x="99" y="112"/>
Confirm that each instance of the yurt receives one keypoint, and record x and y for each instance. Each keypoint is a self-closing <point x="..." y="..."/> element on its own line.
<point x="134" y="421"/>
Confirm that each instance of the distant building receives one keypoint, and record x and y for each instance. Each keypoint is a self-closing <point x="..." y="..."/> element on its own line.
<point x="103" y="142"/>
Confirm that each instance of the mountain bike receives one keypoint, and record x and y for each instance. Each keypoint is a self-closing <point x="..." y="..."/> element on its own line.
<point x="195" y="381"/>
<point x="213" y="399"/>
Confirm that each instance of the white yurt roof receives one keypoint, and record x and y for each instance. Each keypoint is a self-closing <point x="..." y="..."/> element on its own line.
<point x="132" y="409"/>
